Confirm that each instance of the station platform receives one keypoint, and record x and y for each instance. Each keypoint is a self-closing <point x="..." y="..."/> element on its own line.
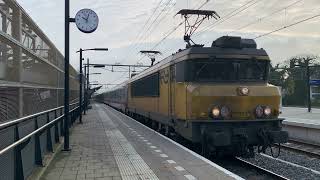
<point x="302" y="125"/>
<point x="301" y="117"/>
<point x="110" y="145"/>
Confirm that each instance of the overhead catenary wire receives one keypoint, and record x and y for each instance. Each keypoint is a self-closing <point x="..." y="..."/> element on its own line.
<point x="262" y="18"/>
<point x="229" y="15"/>
<point x="163" y="18"/>
<point x="172" y="31"/>
<point x="232" y="15"/>
<point x="166" y="5"/>
<point x="288" y="26"/>
<point x="140" y="33"/>
<point x="203" y="4"/>
<point x="226" y="18"/>
<point x="175" y="28"/>
<point x="151" y="15"/>
<point x="281" y="28"/>
<point x="136" y="48"/>
<point x="235" y="12"/>
<point x="167" y="49"/>
<point x="144" y="36"/>
<point x="164" y="38"/>
<point x="121" y="76"/>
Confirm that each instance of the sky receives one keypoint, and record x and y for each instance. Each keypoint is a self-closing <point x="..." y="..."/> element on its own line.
<point x="128" y="26"/>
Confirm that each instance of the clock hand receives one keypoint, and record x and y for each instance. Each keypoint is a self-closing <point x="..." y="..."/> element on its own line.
<point x="88" y="16"/>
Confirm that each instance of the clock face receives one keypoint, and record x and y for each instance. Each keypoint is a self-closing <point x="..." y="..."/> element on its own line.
<point x="87" y="20"/>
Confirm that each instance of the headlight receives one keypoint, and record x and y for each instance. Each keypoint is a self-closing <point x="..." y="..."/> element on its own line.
<point x="267" y="111"/>
<point x="259" y="111"/>
<point x="215" y="112"/>
<point x="225" y="112"/>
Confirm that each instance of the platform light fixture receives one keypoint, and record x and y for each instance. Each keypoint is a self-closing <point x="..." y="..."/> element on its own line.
<point x="81" y="75"/>
<point x="99" y="66"/>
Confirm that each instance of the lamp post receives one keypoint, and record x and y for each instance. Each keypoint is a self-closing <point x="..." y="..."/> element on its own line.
<point x="87" y="95"/>
<point x="308" y="86"/>
<point x="66" y="75"/>
<point x="81" y="75"/>
<point x="88" y="84"/>
<point x="86" y="67"/>
<point x="307" y="66"/>
<point x="88" y="26"/>
<point x="80" y="93"/>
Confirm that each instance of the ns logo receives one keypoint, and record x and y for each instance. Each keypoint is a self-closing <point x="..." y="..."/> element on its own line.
<point x="164" y="76"/>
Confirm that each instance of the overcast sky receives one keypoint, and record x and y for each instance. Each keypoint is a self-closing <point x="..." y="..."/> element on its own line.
<point x="123" y="29"/>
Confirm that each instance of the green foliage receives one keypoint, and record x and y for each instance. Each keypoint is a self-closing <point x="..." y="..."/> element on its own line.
<point x="299" y="94"/>
<point x="291" y="75"/>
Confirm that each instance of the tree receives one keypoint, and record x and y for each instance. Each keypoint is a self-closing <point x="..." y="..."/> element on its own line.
<point x="291" y="76"/>
<point x="303" y="60"/>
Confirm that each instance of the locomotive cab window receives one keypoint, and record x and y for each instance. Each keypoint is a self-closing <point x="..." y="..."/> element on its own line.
<point x="220" y="70"/>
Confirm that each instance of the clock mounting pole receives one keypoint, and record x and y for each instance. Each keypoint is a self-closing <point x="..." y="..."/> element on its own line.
<point x="89" y="26"/>
<point x="66" y="146"/>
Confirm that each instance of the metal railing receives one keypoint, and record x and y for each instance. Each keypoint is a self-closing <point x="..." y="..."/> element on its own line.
<point x="21" y="142"/>
<point x="30" y="65"/>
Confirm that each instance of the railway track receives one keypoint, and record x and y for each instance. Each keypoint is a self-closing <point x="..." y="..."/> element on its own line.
<point x="311" y="150"/>
<point x="248" y="170"/>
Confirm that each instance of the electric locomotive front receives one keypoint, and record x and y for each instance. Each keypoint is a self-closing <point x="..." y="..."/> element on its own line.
<point x="230" y="107"/>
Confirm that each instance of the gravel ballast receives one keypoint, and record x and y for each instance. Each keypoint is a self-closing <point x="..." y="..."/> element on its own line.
<point x="288" y="170"/>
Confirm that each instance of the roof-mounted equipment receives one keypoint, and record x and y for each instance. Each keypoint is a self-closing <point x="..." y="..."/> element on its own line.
<point x="190" y="28"/>
<point x="234" y="42"/>
<point x="151" y="54"/>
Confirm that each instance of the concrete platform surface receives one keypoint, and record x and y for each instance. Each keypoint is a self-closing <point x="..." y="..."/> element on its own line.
<point x="302" y="125"/>
<point x="296" y="116"/>
<point x="110" y="145"/>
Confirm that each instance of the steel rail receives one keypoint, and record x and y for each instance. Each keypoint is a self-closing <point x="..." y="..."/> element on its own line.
<point x="302" y="150"/>
<point x="25" y="118"/>
<point x="25" y="138"/>
<point x="262" y="170"/>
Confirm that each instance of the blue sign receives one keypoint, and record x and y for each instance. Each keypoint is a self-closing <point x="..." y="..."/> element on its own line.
<point x="315" y="82"/>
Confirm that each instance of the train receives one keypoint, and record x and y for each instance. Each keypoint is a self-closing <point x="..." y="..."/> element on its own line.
<point x="218" y="98"/>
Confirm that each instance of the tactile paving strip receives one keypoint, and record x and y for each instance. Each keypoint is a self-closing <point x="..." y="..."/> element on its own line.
<point x="130" y="163"/>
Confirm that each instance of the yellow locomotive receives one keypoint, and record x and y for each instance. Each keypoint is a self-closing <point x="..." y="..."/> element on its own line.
<point x="215" y="96"/>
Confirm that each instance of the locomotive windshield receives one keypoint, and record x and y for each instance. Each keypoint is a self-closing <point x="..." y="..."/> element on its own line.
<point x="224" y="70"/>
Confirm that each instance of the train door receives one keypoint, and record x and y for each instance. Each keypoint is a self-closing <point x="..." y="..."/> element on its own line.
<point x="164" y="92"/>
<point x="172" y="89"/>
